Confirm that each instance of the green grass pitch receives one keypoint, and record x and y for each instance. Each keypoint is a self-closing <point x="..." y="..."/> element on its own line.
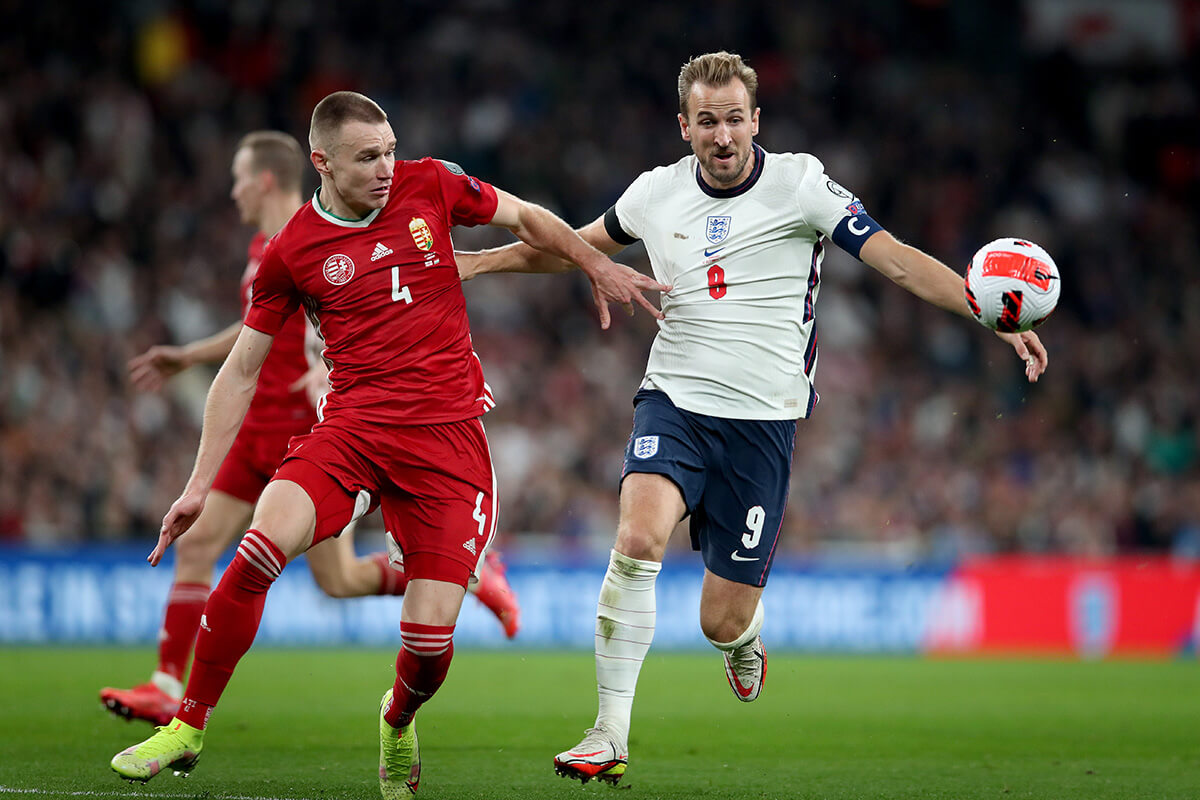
<point x="301" y="724"/>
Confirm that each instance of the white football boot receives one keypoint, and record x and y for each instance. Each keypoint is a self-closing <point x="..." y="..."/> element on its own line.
<point x="746" y="669"/>
<point x="598" y="756"/>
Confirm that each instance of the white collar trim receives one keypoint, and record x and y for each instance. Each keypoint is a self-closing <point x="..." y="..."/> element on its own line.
<point x="340" y="221"/>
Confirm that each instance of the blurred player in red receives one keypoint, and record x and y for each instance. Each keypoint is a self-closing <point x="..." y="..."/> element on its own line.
<point x="371" y="260"/>
<point x="268" y="169"/>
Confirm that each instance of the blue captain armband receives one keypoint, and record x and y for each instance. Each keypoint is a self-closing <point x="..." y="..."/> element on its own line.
<point x="853" y="231"/>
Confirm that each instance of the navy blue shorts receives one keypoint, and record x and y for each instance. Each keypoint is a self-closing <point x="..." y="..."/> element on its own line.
<point x="733" y="475"/>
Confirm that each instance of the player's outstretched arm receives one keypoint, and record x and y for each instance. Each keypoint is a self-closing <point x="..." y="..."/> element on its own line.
<point x="228" y="398"/>
<point x="515" y="257"/>
<point x="148" y="371"/>
<point x="545" y="232"/>
<point x="934" y="282"/>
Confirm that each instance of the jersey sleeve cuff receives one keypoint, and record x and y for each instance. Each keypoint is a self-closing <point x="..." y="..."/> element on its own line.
<point x="264" y="320"/>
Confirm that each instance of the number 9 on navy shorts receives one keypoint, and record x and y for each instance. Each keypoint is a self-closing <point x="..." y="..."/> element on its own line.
<point x="733" y="475"/>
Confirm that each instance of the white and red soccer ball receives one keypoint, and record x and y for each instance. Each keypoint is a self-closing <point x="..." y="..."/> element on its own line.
<point x="1012" y="285"/>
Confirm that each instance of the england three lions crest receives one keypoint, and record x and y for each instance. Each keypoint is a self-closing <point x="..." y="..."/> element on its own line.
<point x="645" y="446"/>
<point x="718" y="229"/>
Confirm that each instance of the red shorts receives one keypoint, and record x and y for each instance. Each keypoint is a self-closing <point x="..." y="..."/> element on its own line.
<point x="252" y="461"/>
<point x="434" y="483"/>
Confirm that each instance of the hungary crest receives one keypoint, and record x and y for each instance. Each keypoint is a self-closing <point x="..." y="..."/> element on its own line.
<point x="422" y="236"/>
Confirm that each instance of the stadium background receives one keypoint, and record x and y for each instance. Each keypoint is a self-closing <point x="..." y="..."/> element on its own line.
<point x="1072" y="123"/>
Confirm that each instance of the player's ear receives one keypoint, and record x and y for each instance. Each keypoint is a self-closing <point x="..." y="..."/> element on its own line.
<point x="754" y="123"/>
<point x="320" y="160"/>
<point x="683" y="128"/>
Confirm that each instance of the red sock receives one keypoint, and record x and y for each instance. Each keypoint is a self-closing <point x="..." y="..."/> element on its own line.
<point x="181" y="619"/>
<point x="421" y="667"/>
<point x="229" y="624"/>
<point x="392" y="579"/>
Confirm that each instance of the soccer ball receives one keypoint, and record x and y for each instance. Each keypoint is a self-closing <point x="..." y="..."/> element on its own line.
<point x="1012" y="285"/>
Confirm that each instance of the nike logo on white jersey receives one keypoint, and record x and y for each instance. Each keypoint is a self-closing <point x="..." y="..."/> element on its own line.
<point x="381" y="250"/>
<point x="734" y="555"/>
<point x="710" y="253"/>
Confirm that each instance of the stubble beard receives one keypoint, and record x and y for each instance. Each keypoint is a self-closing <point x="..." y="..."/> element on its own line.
<point x="726" y="176"/>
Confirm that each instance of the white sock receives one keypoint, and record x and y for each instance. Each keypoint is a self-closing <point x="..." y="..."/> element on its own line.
<point x="624" y="629"/>
<point x="169" y="684"/>
<point x="747" y="636"/>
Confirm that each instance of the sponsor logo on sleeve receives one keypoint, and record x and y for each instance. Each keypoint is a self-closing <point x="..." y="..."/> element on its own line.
<point x="856" y="208"/>
<point x="451" y="167"/>
<point x="838" y="190"/>
<point x="338" y="269"/>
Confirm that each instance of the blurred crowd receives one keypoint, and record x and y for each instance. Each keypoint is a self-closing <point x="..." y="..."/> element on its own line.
<point x="118" y="122"/>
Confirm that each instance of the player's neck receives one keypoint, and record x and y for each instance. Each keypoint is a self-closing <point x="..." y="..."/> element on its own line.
<point x="333" y="203"/>
<point x="277" y="211"/>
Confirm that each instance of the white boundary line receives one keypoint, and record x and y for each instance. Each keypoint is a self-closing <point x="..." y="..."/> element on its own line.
<point x="189" y="796"/>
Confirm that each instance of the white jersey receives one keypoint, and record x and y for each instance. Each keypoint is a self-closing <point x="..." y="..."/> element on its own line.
<point x="738" y="340"/>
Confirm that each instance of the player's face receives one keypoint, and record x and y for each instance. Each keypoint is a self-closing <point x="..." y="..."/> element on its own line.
<point x="721" y="128"/>
<point x="361" y="165"/>
<point x="249" y="186"/>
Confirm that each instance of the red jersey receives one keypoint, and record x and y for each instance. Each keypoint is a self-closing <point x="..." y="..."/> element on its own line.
<point x="386" y="296"/>
<point x="275" y="406"/>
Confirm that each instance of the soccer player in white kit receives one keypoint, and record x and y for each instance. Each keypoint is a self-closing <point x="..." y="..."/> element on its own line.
<point x="739" y="235"/>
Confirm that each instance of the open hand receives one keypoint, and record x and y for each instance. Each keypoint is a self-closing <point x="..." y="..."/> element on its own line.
<point x="182" y="514"/>
<point x="1031" y="350"/>
<point x="617" y="283"/>
<point x="151" y="369"/>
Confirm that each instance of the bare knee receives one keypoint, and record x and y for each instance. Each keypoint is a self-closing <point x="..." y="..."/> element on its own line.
<point x="637" y="541"/>
<point x="197" y="551"/>
<point x="651" y="506"/>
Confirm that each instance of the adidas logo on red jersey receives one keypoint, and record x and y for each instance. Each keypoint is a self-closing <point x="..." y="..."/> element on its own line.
<point x="381" y="250"/>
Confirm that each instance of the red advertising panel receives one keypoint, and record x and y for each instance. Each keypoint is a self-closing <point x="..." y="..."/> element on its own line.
<point x="1069" y="606"/>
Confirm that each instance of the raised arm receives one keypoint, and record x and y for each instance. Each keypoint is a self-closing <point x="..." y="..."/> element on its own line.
<point x="550" y="245"/>
<point x="151" y="369"/>
<point x="228" y="398"/>
<point x="934" y="282"/>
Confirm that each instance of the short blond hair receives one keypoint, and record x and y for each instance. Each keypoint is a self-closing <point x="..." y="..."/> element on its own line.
<point x="716" y="69"/>
<point x="278" y="153"/>
<point x="335" y="110"/>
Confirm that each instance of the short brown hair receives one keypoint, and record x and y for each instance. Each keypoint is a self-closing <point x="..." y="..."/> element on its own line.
<point x="335" y="110"/>
<point x="278" y="153"/>
<point x="716" y="69"/>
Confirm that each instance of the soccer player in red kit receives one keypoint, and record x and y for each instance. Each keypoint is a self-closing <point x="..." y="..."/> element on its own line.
<point x="267" y="169"/>
<point x="370" y="258"/>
